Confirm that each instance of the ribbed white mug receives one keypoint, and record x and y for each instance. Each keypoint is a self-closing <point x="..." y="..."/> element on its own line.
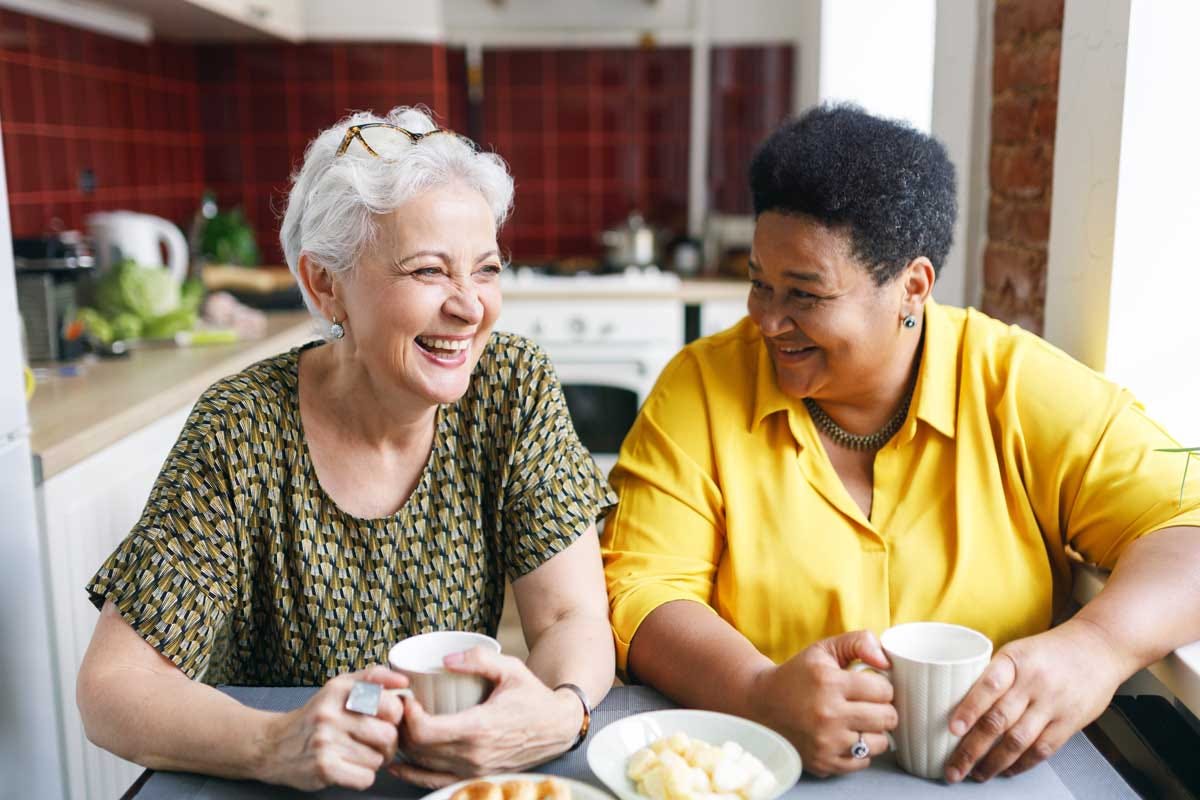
<point x="934" y="665"/>
<point x="438" y="690"/>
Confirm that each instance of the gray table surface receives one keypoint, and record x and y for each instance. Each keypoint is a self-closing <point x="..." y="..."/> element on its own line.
<point x="1076" y="771"/>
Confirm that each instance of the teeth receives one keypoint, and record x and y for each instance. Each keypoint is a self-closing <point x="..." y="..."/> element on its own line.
<point x="445" y="344"/>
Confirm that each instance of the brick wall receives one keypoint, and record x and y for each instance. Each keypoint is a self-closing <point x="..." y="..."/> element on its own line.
<point x="1028" y="39"/>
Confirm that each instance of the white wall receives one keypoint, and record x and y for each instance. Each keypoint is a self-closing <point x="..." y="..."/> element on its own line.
<point x="879" y="54"/>
<point x="1123" y="280"/>
<point x="961" y="112"/>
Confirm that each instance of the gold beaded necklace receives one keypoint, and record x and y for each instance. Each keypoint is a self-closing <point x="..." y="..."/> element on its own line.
<point x="854" y="441"/>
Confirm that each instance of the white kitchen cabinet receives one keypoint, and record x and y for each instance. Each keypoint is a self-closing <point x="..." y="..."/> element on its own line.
<point x="219" y="20"/>
<point x="86" y="511"/>
<point x="717" y="315"/>
<point x="282" y="18"/>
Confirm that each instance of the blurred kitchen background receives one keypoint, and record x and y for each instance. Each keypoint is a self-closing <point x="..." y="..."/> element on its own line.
<point x="147" y="147"/>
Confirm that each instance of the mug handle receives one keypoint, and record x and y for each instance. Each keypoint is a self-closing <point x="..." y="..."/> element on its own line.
<point x="862" y="666"/>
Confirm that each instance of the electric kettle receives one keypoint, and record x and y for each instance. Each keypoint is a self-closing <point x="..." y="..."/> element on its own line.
<point x="141" y="237"/>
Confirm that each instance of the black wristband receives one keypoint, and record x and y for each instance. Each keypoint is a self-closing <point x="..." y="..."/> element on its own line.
<point x="587" y="713"/>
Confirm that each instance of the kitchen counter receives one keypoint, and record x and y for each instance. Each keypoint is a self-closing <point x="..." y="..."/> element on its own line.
<point x="75" y="417"/>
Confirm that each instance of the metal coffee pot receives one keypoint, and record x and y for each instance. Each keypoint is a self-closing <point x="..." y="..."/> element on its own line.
<point x="631" y="244"/>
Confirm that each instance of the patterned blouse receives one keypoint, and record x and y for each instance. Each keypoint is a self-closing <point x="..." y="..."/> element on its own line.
<point x="242" y="570"/>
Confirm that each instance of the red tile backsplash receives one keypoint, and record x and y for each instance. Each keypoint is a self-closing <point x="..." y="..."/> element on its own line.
<point x="751" y="95"/>
<point x="73" y="101"/>
<point x="590" y="134"/>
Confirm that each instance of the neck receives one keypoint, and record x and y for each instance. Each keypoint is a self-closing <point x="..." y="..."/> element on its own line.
<point x="873" y="406"/>
<point x="373" y="414"/>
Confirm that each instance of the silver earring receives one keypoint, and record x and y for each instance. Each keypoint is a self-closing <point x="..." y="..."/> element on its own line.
<point x="336" y="330"/>
<point x="910" y="321"/>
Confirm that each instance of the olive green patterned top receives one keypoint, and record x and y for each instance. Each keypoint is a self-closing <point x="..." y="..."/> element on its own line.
<point x="241" y="570"/>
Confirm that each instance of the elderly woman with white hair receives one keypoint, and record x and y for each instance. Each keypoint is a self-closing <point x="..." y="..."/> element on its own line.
<point x="330" y="501"/>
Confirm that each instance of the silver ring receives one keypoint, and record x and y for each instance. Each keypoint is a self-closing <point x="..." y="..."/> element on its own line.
<point x="364" y="698"/>
<point x="859" y="749"/>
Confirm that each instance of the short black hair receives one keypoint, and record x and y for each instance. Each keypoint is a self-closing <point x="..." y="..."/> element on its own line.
<point x="889" y="184"/>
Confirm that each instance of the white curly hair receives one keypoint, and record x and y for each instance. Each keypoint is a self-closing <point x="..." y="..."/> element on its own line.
<point x="334" y="200"/>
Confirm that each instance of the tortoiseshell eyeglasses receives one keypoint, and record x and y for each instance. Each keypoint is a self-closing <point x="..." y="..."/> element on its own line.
<point x="380" y="137"/>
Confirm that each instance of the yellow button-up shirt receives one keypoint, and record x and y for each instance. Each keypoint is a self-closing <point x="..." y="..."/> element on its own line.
<point x="1011" y="455"/>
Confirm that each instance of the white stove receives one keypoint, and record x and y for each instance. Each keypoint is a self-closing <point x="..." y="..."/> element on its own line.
<point x="608" y="335"/>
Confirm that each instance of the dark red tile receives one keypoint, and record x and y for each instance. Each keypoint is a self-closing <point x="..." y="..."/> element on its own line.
<point x="27" y="219"/>
<point x="574" y="162"/>
<point x="269" y="111"/>
<point x="95" y="104"/>
<point x="272" y="162"/>
<point x="134" y="58"/>
<point x="615" y="68"/>
<point x="218" y="110"/>
<point x="573" y="67"/>
<point x="70" y="44"/>
<point x="316" y="109"/>
<point x="216" y="64"/>
<point x="528" y="161"/>
<point x="528" y="68"/>
<point x="18" y="150"/>
<point x="50" y="82"/>
<point x="222" y="163"/>
<point x="19" y="106"/>
<point x="315" y="62"/>
<point x="14" y="32"/>
<point x="573" y="113"/>
<point x="120" y="105"/>
<point x="262" y="66"/>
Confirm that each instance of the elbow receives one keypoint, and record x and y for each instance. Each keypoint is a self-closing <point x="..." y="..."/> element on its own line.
<point x="89" y="689"/>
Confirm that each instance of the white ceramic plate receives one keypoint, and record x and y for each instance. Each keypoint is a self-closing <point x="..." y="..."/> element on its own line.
<point x="609" y="752"/>
<point x="579" y="790"/>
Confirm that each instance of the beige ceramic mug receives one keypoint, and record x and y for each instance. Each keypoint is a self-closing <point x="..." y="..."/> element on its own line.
<point x="438" y="690"/>
<point x="934" y="665"/>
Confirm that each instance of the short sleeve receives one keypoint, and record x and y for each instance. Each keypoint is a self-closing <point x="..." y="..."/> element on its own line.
<point x="555" y="491"/>
<point x="1095" y="472"/>
<point x="666" y="538"/>
<point x="173" y="579"/>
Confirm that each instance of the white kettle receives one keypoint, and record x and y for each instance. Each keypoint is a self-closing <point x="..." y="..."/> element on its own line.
<point x="128" y="234"/>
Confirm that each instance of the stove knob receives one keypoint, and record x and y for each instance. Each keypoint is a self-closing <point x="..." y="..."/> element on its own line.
<point x="537" y="328"/>
<point x="607" y="329"/>
<point x="577" y="326"/>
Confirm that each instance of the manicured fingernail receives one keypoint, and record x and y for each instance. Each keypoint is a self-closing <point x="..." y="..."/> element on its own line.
<point x="953" y="775"/>
<point x="454" y="659"/>
<point x="958" y="727"/>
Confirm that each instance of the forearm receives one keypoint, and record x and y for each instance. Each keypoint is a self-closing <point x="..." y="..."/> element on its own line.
<point x="1151" y="603"/>
<point x="577" y="648"/>
<point x="698" y="659"/>
<point x="169" y="722"/>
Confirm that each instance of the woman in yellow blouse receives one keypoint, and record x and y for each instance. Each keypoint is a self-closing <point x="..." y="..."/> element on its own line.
<point x="853" y="455"/>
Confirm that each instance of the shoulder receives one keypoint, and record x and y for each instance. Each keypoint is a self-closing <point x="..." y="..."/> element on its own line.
<point x="721" y="368"/>
<point x="1017" y="369"/>
<point x="260" y="393"/>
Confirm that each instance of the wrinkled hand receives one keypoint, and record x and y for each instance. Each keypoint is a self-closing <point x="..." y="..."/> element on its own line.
<point x="520" y="724"/>
<point x="322" y="744"/>
<point x="821" y="707"/>
<point x="1035" y="694"/>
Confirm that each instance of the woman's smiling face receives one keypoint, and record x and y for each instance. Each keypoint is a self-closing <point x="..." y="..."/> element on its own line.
<point x="829" y="329"/>
<point x="421" y="303"/>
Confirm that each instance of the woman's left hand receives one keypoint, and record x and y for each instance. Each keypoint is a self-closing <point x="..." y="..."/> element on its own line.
<point x="522" y="723"/>
<point x="1035" y="694"/>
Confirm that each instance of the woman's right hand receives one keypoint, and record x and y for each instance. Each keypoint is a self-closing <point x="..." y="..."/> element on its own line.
<point x="822" y="707"/>
<point x="322" y="744"/>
